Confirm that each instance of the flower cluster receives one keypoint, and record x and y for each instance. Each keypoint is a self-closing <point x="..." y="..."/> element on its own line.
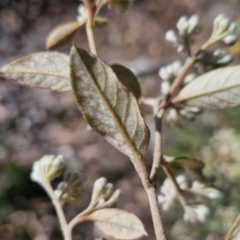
<point x="70" y="188"/>
<point x="186" y="28"/>
<point x="103" y="195"/>
<point x="224" y="30"/>
<point x="194" y="209"/>
<point x="47" y="168"/>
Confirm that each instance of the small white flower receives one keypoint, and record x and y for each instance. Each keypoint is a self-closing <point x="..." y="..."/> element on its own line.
<point x="205" y="191"/>
<point x="196" y="213"/>
<point x="82" y="13"/>
<point x="168" y="196"/>
<point x="47" y="168"/>
<point x="171" y="36"/>
<point x="172" y="116"/>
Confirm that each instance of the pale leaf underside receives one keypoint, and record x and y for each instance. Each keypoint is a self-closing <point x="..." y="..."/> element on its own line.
<point x="217" y="89"/>
<point x="48" y="70"/>
<point x="107" y="105"/>
<point x="62" y="34"/>
<point x="118" y="224"/>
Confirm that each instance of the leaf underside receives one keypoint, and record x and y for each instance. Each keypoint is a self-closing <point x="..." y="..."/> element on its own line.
<point x="118" y="224"/>
<point x="62" y="35"/>
<point x="108" y="107"/>
<point x="217" y="89"/>
<point x="48" y="70"/>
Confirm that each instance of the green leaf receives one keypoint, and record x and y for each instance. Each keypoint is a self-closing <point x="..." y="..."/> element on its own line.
<point x="108" y="107"/>
<point x="128" y="79"/>
<point x="117" y="223"/>
<point x="62" y="34"/>
<point x="189" y="163"/>
<point x="42" y="70"/>
<point x="216" y="89"/>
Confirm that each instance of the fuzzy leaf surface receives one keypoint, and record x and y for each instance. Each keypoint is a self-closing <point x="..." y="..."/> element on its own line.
<point x="62" y="34"/>
<point x="217" y="89"/>
<point x="128" y="79"/>
<point x="108" y="107"/>
<point x="118" y="224"/>
<point x="48" y="70"/>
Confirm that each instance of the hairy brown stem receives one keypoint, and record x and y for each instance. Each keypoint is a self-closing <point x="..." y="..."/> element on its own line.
<point x="58" y="207"/>
<point x="150" y="189"/>
<point x="231" y="233"/>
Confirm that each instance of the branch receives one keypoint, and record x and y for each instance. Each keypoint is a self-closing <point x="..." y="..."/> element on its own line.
<point x="233" y="229"/>
<point x="91" y="10"/>
<point x="58" y="207"/>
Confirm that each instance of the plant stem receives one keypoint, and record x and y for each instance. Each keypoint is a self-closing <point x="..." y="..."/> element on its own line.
<point x="157" y="155"/>
<point x="233" y="229"/>
<point x="91" y="9"/>
<point x="150" y="189"/>
<point x="58" y="207"/>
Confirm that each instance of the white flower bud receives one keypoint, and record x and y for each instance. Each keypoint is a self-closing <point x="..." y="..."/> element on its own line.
<point x="225" y="60"/>
<point x="171" y="36"/>
<point x="47" y="168"/>
<point x="180" y="48"/>
<point x="98" y="189"/>
<point x="163" y="74"/>
<point x="219" y="53"/>
<point x="223" y="25"/>
<point x="182" y="25"/>
<point x="193" y="22"/>
<point x="217" y="20"/>
<point x="114" y="198"/>
<point x="190" y="77"/>
<point x="232" y="28"/>
<point x="176" y="67"/>
<point x="172" y="115"/>
<point x="165" y="87"/>
<point x="230" y="40"/>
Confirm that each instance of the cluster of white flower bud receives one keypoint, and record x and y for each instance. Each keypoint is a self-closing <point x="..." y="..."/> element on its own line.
<point x="103" y="194"/>
<point x="175" y="115"/>
<point x="194" y="210"/>
<point x="70" y="189"/>
<point x="225" y="30"/>
<point x="168" y="73"/>
<point x="196" y="213"/>
<point x="47" y="168"/>
<point x="186" y="28"/>
<point x="82" y="13"/>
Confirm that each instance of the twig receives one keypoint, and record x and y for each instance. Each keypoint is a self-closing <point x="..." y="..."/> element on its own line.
<point x="231" y="233"/>
<point x="91" y="9"/>
<point x="150" y="189"/>
<point x="58" y="207"/>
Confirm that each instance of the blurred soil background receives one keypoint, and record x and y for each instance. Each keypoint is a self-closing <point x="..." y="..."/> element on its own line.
<point x="36" y="122"/>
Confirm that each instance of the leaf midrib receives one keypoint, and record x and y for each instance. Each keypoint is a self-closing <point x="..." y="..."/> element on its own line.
<point x="114" y="117"/>
<point x="218" y="90"/>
